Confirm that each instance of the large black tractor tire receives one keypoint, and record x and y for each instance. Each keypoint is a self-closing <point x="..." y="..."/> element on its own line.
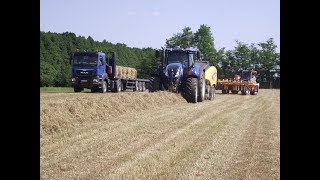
<point x="202" y="88"/>
<point x="77" y="89"/>
<point x="191" y="90"/>
<point x="104" y="87"/>
<point x="212" y="93"/>
<point x="154" y="84"/>
<point x="94" y="89"/>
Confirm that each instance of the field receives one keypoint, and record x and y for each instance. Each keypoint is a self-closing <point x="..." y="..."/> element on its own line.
<point x="133" y="135"/>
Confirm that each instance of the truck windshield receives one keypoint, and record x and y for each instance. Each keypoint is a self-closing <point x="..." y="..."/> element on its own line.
<point x="84" y="60"/>
<point x="178" y="57"/>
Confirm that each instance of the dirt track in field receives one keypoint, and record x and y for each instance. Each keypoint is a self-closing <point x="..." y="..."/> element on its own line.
<point x="159" y="135"/>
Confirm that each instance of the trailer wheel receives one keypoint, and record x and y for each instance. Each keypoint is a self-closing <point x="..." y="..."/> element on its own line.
<point x="245" y="91"/>
<point x="191" y="90"/>
<point x="234" y="92"/>
<point x="143" y="86"/>
<point x="154" y="84"/>
<point x="104" y="87"/>
<point x="77" y="89"/>
<point x="202" y="89"/>
<point x="212" y="93"/>
<point x="253" y="92"/>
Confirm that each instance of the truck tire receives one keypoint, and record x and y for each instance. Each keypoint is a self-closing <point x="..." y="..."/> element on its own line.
<point x="202" y="86"/>
<point x="143" y="86"/>
<point x="212" y="93"/>
<point x="118" y="84"/>
<point x="140" y="86"/>
<point x="154" y="84"/>
<point x="191" y="90"/>
<point x="77" y="89"/>
<point x="104" y="87"/>
<point x="135" y="86"/>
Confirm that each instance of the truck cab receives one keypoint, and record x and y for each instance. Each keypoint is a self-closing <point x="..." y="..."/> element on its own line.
<point x="89" y="71"/>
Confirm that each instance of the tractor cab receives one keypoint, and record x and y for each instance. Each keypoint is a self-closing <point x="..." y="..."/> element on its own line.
<point x="248" y="75"/>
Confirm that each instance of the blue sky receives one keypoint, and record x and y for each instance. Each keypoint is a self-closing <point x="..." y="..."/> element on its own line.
<point x="148" y="23"/>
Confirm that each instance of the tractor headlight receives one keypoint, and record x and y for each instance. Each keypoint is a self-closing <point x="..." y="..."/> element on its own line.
<point x="73" y="79"/>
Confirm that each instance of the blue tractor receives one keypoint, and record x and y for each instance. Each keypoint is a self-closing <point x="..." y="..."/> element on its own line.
<point x="183" y="71"/>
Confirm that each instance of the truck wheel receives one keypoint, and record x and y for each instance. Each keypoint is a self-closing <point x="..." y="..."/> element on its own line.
<point x="140" y="86"/>
<point x="104" y="87"/>
<point x="154" y="84"/>
<point x="118" y="86"/>
<point x="143" y="86"/>
<point x="191" y="90"/>
<point x="77" y="89"/>
<point x="202" y="89"/>
<point x="212" y="93"/>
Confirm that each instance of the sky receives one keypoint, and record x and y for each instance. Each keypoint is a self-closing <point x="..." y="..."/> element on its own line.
<point x="148" y="23"/>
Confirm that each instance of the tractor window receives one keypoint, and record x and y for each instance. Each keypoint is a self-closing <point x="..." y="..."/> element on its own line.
<point x="178" y="57"/>
<point x="246" y="76"/>
<point x="191" y="61"/>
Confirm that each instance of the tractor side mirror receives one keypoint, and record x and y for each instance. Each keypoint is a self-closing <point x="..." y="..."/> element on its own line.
<point x="157" y="53"/>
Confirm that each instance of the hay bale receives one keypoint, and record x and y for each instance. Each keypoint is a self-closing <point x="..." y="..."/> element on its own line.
<point x="126" y="72"/>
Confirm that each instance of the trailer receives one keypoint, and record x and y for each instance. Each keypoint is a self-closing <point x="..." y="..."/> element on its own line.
<point x="246" y="83"/>
<point x="98" y="72"/>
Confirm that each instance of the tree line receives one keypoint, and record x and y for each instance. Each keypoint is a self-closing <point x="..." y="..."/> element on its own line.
<point x="56" y="48"/>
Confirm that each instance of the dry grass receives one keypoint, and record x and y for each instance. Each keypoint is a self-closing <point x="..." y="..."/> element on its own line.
<point x="159" y="136"/>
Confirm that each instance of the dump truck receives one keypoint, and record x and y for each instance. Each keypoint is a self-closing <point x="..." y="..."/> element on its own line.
<point x="184" y="71"/>
<point x="98" y="72"/>
<point x="244" y="83"/>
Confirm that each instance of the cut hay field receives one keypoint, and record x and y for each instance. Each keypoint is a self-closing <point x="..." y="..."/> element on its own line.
<point x="132" y="135"/>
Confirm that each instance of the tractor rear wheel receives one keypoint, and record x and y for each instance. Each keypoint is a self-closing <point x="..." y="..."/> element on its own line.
<point x="191" y="90"/>
<point x="154" y="84"/>
<point x="77" y="89"/>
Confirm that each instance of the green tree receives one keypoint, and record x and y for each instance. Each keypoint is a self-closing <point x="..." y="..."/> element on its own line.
<point x="204" y="41"/>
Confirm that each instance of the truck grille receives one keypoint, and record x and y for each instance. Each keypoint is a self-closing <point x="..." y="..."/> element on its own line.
<point x="84" y="72"/>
